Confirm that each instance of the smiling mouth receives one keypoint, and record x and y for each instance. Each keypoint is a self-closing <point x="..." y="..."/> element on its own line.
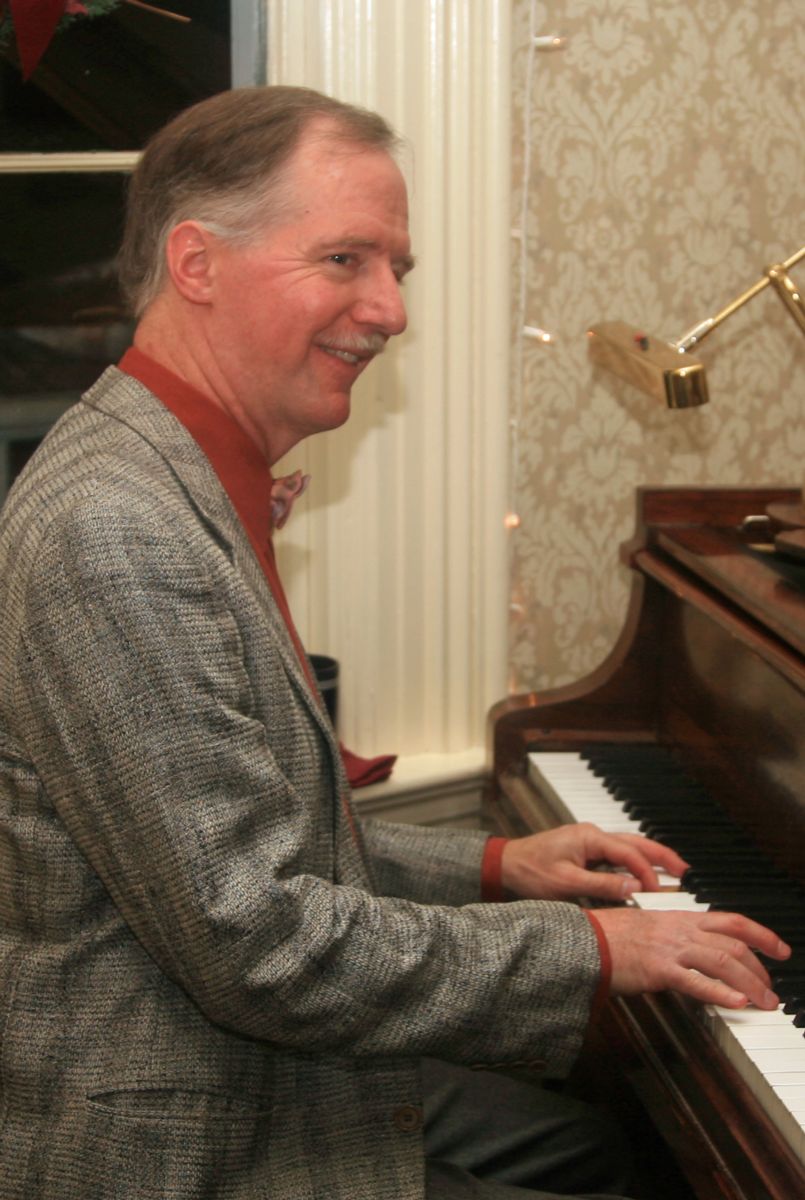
<point x="354" y="349"/>
<point x="346" y="356"/>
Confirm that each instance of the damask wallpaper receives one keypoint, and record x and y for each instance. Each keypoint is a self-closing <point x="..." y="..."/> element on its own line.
<point x="664" y="148"/>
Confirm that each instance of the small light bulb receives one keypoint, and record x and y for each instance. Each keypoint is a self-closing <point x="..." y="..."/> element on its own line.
<point x="511" y="520"/>
<point x="539" y="335"/>
<point x="550" y="41"/>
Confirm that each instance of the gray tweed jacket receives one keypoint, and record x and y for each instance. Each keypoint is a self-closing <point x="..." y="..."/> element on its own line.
<point x="210" y="987"/>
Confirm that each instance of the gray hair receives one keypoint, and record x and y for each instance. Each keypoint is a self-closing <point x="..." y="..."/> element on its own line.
<point x="222" y="163"/>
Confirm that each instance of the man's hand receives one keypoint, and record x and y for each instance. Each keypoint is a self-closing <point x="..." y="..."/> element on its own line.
<point x="556" y="865"/>
<point x="706" y="955"/>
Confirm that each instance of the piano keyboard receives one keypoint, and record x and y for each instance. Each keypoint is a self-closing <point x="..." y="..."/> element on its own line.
<point x="625" y="789"/>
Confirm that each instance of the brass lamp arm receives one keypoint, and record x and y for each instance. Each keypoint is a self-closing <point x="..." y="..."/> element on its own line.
<point x="783" y="285"/>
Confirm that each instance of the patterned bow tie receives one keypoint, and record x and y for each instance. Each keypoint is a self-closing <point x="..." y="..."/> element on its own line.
<point x="284" y="492"/>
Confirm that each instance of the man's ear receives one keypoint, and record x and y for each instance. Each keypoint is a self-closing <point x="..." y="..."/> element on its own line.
<point x="190" y="256"/>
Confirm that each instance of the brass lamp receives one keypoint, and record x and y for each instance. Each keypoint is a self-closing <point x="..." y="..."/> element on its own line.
<point x="667" y="372"/>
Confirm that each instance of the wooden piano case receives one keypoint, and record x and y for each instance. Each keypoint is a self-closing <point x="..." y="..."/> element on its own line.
<point x="711" y="662"/>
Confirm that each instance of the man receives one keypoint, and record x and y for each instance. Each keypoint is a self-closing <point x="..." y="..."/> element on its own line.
<point x="215" y="981"/>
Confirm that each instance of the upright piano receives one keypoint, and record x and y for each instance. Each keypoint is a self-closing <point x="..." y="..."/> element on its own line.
<point x="707" y="686"/>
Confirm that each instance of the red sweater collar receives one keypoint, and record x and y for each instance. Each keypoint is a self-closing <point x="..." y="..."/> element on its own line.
<point x="237" y="461"/>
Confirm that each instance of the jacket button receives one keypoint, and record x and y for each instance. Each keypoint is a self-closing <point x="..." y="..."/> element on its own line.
<point x="408" y="1118"/>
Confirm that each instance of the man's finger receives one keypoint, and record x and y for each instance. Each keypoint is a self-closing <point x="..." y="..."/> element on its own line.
<point x="611" y="886"/>
<point x="706" y="990"/>
<point x="639" y="855"/>
<point x="712" y="965"/>
<point x="759" y="937"/>
<point x="621" y="854"/>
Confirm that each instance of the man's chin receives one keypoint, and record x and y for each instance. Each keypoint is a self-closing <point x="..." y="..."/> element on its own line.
<point x="335" y="414"/>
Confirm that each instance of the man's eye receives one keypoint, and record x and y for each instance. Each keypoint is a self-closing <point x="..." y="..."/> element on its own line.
<point x="341" y="260"/>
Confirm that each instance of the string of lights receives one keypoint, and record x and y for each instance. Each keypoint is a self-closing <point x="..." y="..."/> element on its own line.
<point x="536" y="43"/>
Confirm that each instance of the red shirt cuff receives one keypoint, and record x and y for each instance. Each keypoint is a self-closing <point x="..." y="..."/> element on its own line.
<point x="602" y="991"/>
<point x="491" y="882"/>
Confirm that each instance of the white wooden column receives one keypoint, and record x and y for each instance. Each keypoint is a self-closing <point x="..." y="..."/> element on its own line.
<point x="395" y="562"/>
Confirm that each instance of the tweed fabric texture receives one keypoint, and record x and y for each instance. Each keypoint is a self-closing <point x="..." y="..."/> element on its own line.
<point x="203" y="992"/>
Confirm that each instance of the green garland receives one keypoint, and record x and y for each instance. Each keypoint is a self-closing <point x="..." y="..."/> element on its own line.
<point x="95" y="8"/>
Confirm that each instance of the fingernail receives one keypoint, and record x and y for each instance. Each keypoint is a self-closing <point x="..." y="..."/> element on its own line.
<point x="629" y="886"/>
<point x="770" y="1000"/>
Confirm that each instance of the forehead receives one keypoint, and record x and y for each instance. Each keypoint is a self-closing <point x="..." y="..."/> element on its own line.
<point x="331" y="178"/>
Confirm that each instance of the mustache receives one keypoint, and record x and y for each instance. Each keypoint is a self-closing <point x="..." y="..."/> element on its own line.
<point x="356" y="343"/>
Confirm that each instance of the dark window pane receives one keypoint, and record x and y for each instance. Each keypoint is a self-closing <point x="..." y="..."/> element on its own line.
<point x="108" y="82"/>
<point x="61" y="320"/>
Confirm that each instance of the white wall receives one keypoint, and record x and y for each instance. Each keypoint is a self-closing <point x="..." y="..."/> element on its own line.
<point x="395" y="562"/>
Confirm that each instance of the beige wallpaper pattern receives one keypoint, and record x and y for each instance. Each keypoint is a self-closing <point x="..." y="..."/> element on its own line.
<point x="667" y="169"/>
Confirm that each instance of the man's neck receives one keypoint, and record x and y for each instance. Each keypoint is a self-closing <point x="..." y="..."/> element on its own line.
<point x="161" y="336"/>
<point x="180" y="347"/>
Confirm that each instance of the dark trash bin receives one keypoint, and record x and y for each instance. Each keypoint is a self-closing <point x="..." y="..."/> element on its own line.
<point x="326" y="671"/>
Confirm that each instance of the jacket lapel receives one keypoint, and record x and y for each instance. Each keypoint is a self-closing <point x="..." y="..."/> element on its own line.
<point x="125" y="399"/>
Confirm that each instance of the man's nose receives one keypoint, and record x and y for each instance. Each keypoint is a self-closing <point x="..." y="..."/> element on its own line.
<point x="381" y="304"/>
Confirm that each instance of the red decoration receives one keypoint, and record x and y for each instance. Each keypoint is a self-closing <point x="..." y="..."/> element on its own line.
<point x="35" y="23"/>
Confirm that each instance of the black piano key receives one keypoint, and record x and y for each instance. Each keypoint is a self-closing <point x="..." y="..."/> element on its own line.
<point x="736" y="848"/>
<point x="762" y="889"/>
<point x="672" y="809"/>
<point x="783" y="927"/>
<point x="657" y="778"/>
<point x="685" y="844"/>
<point x="788" y="968"/>
<point x="723" y="871"/>
<point x="660" y="790"/>
<point x="788" y="992"/>
<point x="655" y="782"/>
<point x="663" y="778"/>
<point x="665" y="807"/>
<point x="683" y="828"/>
<point x="790" y="979"/>
<point x="727" y="869"/>
<point x="752" y="899"/>
<point x="683" y="819"/>
<point x="741" y="865"/>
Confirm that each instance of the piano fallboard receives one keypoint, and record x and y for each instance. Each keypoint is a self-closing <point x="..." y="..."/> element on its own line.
<point x="710" y="664"/>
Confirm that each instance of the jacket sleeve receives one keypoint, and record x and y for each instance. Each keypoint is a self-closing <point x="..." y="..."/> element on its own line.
<point x="423" y="863"/>
<point x="140" y="715"/>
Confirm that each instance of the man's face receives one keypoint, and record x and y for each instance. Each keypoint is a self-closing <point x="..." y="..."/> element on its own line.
<point x="300" y="312"/>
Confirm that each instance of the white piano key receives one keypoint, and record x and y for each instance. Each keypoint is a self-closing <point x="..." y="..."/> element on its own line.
<point x="770" y="1037"/>
<point x="666" y="881"/>
<point x="764" y="1046"/>
<point x="584" y="795"/>
<point x="760" y="1083"/>
<point x="603" y="816"/>
<point x="750" y="1015"/>
<point x="775" y="1061"/>
<point x="669" y="902"/>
